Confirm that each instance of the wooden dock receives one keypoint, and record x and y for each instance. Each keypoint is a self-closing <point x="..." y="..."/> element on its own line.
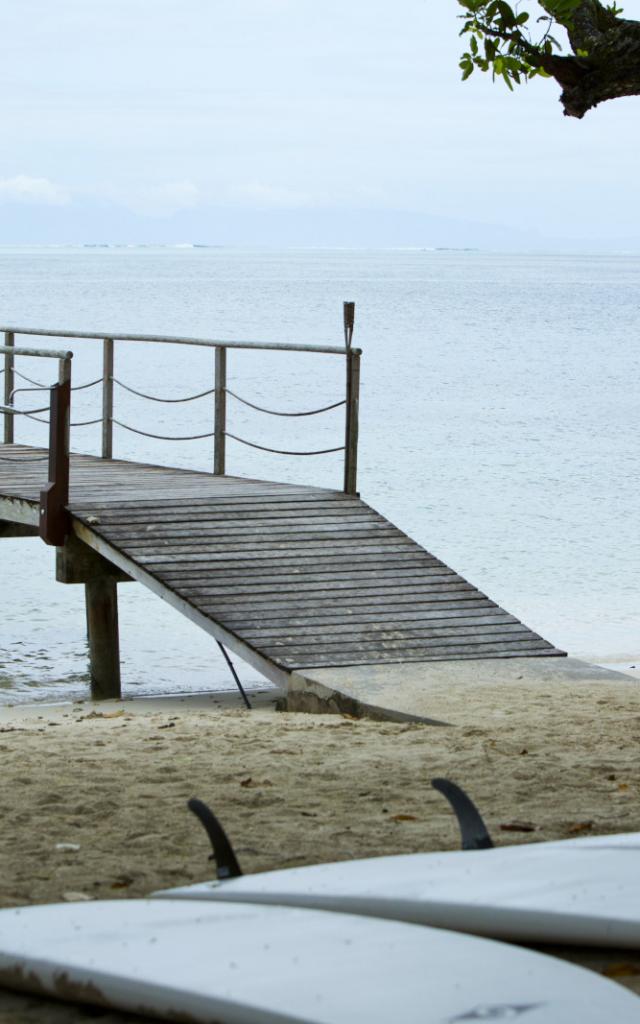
<point x="288" y="577"/>
<point x="291" y="578"/>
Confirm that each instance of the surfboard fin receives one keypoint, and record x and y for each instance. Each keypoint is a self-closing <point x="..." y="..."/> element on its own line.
<point x="226" y="863"/>
<point x="473" y="831"/>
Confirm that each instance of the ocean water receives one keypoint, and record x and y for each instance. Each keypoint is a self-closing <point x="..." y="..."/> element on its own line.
<point x="499" y="426"/>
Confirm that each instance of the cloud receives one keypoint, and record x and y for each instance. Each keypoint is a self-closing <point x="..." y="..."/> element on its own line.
<point x="41" y="191"/>
<point x="163" y="200"/>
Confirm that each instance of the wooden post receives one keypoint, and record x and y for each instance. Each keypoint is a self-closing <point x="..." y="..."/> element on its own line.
<point x="101" y="595"/>
<point x="353" y="401"/>
<point x="9" y="340"/>
<point x="351" y="429"/>
<point x="54" y="515"/>
<point x="78" y="563"/>
<point x="219" y="460"/>
<point x="107" y="398"/>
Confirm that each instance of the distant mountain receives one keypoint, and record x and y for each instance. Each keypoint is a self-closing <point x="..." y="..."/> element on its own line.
<point x="100" y="223"/>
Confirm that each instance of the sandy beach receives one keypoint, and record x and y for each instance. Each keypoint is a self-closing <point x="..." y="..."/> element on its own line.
<point x="113" y="780"/>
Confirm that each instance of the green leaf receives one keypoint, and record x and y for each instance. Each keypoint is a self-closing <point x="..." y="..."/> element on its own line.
<point x="501" y="44"/>
<point x="508" y="16"/>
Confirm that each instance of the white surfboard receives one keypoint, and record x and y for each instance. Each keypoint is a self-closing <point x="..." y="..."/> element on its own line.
<point x="577" y="892"/>
<point x="250" y="964"/>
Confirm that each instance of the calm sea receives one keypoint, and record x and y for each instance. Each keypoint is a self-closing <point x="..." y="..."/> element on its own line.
<point x="499" y="426"/>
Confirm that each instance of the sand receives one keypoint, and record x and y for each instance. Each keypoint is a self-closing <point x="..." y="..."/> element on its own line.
<point x="295" y="789"/>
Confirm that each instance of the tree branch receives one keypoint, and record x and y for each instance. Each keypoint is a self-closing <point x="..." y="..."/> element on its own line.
<point x="605" y="59"/>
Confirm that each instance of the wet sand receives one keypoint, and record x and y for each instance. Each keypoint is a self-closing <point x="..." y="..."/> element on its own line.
<point x="113" y="780"/>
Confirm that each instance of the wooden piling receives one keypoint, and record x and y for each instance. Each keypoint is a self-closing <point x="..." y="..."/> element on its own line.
<point x="78" y="563"/>
<point x="101" y="595"/>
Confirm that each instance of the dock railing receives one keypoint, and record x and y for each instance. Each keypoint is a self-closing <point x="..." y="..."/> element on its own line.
<point x="220" y="391"/>
<point x="54" y="498"/>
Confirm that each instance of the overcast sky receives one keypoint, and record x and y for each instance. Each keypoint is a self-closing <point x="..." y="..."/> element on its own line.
<point x="296" y="122"/>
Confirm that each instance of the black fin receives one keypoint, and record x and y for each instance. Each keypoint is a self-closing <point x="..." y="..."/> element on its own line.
<point x="226" y="863"/>
<point x="473" y="830"/>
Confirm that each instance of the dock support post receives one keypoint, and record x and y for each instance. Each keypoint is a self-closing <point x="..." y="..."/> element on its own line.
<point x="76" y="563"/>
<point x="9" y="340"/>
<point x="101" y="595"/>
<point x="107" y="398"/>
<point x="220" y="427"/>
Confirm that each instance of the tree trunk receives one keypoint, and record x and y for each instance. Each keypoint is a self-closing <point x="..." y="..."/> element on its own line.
<point x="606" y="64"/>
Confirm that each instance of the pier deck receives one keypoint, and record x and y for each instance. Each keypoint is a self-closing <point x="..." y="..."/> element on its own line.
<point x="288" y="577"/>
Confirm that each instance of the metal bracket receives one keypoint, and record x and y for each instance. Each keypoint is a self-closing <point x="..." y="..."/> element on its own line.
<point x="473" y="831"/>
<point x="348" y="316"/>
<point x="235" y="675"/>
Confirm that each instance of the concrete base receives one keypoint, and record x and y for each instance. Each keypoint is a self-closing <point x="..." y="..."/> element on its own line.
<point x="427" y="691"/>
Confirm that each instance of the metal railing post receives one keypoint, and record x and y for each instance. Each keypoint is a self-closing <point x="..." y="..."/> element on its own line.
<point x="107" y="398"/>
<point x="54" y="515"/>
<point x="9" y="340"/>
<point x="220" y="426"/>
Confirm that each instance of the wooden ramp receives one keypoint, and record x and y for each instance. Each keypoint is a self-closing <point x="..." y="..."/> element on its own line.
<point x="289" y="577"/>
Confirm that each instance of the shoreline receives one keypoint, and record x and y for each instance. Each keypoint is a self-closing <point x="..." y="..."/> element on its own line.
<point x="229" y="699"/>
